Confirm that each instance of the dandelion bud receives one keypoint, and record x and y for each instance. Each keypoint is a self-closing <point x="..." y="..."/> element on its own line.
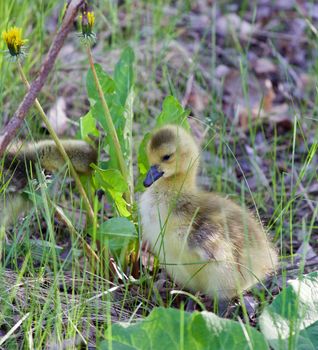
<point x="87" y="22"/>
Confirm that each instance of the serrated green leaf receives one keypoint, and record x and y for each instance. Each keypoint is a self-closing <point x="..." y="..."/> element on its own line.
<point x="116" y="93"/>
<point x="177" y="329"/>
<point x="120" y="203"/>
<point x="88" y="126"/>
<point x="110" y="179"/>
<point x="173" y="113"/>
<point x="213" y="332"/>
<point x="143" y="163"/>
<point x="124" y="75"/>
<point x="107" y="83"/>
<point x="97" y="110"/>
<point x="293" y="315"/>
<point x="308" y="338"/>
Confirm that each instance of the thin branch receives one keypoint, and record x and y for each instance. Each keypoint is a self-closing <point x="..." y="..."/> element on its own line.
<point x="14" y="124"/>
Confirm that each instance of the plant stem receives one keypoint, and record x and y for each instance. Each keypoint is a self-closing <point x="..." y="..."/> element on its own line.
<point x="59" y="147"/>
<point x="112" y="131"/>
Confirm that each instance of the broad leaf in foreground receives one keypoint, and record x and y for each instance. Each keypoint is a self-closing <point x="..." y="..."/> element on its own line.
<point x="291" y="321"/>
<point x="177" y="329"/>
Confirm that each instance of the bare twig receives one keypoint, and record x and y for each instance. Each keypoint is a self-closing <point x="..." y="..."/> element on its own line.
<point x="14" y="124"/>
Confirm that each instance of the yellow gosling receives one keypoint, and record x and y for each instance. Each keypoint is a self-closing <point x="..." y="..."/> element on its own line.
<point x="206" y="242"/>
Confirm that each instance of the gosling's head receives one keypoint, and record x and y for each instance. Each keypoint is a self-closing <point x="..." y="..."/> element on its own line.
<point x="173" y="155"/>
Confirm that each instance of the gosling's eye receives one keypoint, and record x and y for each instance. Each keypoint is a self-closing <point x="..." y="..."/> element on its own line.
<point x="166" y="157"/>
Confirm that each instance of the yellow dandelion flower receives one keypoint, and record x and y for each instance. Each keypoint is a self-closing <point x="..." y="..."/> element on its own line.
<point x="91" y="19"/>
<point x="87" y="22"/>
<point x="14" y="41"/>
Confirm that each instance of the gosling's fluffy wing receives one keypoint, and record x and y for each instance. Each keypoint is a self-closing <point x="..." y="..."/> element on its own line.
<point x="215" y="225"/>
<point x="204" y="238"/>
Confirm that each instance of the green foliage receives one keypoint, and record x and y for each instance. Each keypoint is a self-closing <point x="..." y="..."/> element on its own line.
<point x="116" y="233"/>
<point x="108" y="85"/>
<point x="110" y="176"/>
<point x="124" y="75"/>
<point x="143" y="164"/>
<point x="291" y="321"/>
<point x="112" y="182"/>
<point x="116" y="92"/>
<point x="173" y="113"/>
<point x="177" y="329"/>
<point x="88" y="126"/>
<point x="308" y="338"/>
<point x="57" y="316"/>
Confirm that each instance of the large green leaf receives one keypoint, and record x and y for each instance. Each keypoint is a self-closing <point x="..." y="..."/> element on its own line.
<point x="116" y="93"/>
<point x="124" y="75"/>
<point x="172" y="113"/>
<point x="108" y="85"/>
<point x="308" y="338"/>
<point x="290" y="322"/>
<point x="112" y="181"/>
<point x="177" y="329"/>
<point x="143" y="163"/>
<point x="119" y="227"/>
<point x="88" y="126"/>
<point x="213" y="332"/>
<point x="116" y="233"/>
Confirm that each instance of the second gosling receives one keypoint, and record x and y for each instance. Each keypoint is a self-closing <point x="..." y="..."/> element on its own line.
<point x="206" y="242"/>
<point x="18" y="165"/>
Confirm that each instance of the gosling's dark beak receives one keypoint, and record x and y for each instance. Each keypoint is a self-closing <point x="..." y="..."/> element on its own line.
<point x="153" y="175"/>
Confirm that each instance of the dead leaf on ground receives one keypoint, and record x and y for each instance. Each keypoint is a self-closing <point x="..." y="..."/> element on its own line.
<point x="264" y="65"/>
<point x="279" y="115"/>
<point x="198" y="129"/>
<point x="256" y="103"/>
<point x="231" y="24"/>
<point x="198" y="99"/>
<point x="57" y="116"/>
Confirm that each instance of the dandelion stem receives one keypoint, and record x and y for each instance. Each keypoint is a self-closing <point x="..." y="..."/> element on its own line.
<point x="112" y="131"/>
